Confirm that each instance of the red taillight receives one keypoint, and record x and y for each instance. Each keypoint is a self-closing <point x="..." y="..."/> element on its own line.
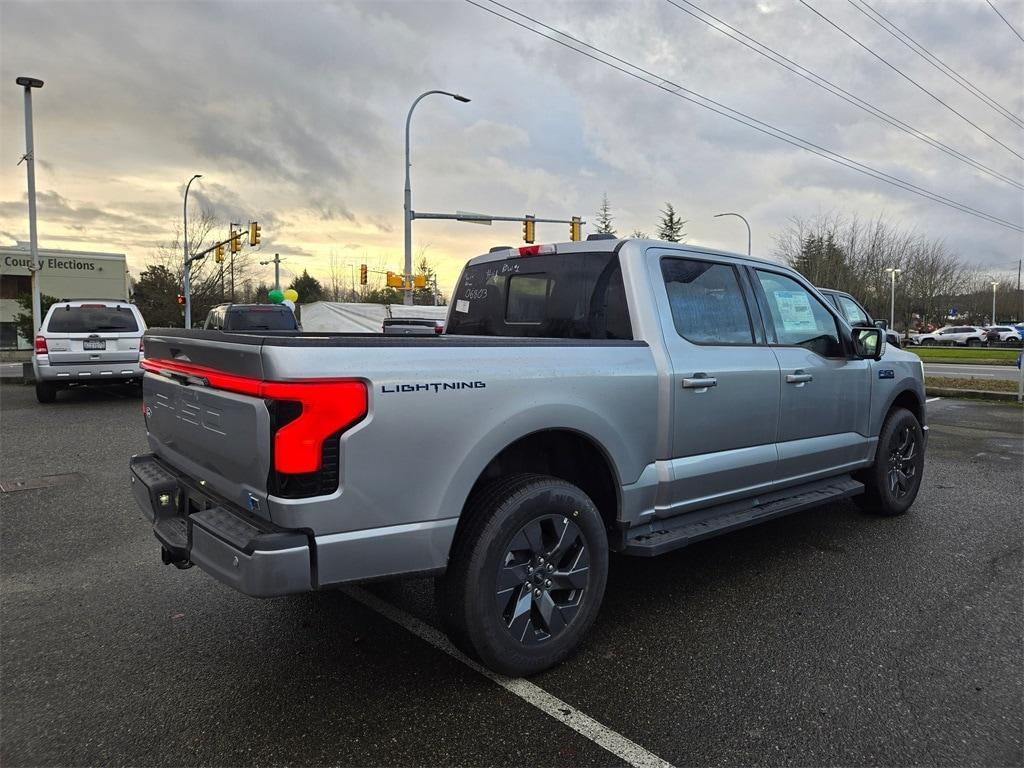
<point x="439" y="329"/>
<point x="41" y="345"/>
<point x="328" y="406"/>
<point x="142" y="348"/>
<point x="537" y="250"/>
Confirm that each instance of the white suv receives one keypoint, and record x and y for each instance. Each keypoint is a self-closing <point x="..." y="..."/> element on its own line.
<point x="964" y="335"/>
<point x="87" y="341"/>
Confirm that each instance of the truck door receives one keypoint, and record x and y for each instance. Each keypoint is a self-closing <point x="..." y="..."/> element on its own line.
<point x="825" y="394"/>
<point x="724" y="383"/>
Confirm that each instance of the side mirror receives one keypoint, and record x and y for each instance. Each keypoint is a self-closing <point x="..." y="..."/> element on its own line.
<point x="882" y="324"/>
<point x="869" y="343"/>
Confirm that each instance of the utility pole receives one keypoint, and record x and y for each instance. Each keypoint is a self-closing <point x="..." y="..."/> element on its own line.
<point x="28" y="83"/>
<point x="276" y="261"/>
<point x="232" y="263"/>
<point x="892" y="305"/>
<point x="994" y="285"/>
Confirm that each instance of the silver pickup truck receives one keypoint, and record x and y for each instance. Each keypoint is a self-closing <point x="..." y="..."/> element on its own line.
<point x="632" y="396"/>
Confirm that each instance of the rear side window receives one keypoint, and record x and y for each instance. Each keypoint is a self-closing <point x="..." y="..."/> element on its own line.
<point x="260" y="319"/>
<point x="92" y="320"/>
<point x="706" y="301"/>
<point x="557" y="296"/>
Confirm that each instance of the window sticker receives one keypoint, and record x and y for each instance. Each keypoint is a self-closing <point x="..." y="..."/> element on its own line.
<point x="462" y="305"/>
<point x="795" y="310"/>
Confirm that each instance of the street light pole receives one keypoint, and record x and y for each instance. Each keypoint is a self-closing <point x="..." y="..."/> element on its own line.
<point x="994" y="284"/>
<point x="187" y="287"/>
<point x="738" y="216"/>
<point x="408" y="191"/>
<point x="28" y="83"/>
<point x="892" y="302"/>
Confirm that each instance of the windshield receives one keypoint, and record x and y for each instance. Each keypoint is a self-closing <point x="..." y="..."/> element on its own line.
<point x="92" y="320"/>
<point x="559" y="296"/>
<point x="260" y="319"/>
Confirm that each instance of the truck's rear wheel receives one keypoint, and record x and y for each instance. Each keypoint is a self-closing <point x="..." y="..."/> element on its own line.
<point x="526" y="575"/>
<point x="892" y="483"/>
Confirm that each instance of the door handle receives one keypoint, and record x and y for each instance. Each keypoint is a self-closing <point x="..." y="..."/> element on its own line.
<point x="700" y="381"/>
<point x="798" y="378"/>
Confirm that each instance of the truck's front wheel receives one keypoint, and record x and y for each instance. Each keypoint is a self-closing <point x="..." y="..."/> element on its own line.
<point x="526" y="574"/>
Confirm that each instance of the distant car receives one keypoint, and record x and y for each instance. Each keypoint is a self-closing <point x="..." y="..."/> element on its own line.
<point x="1002" y="333"/>
<point x="855" y="314"/>
<point x="239" y="318"/>
<point x="412" y="326"/>
<point x="87" y="341"/>
<point x="962" y="335"/>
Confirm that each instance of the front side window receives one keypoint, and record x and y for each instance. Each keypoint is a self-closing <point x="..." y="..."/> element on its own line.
<point x="852" y="311"/>
<point x="798" y="317"/>
<point x="706" y="301"/>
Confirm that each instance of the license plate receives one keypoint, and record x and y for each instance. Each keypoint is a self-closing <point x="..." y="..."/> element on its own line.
<point x="94" y="344"/>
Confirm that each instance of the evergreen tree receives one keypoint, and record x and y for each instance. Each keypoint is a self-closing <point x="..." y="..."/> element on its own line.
<point x="156" y="296"/>
<point x="604" y="223"/>
<point x="308" y="287"/>
<point x="671" y="226"/>
<point x="23" y="320"/>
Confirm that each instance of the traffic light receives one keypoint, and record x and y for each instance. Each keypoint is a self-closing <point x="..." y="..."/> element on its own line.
<point x="218" y="254"/>
<point x="574" y="228"/>
<point x="395" y="281"/>
<point x="254" y="233"/>
<point x="362" y="274"/>
<point x="528" y="229"/>
<point x="181" y="300"/>
<point x="236" y="241"/>
<point x="419" y="281"/>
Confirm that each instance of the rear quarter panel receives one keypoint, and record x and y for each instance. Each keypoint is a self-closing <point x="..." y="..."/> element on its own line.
<point x="423" y="445"/>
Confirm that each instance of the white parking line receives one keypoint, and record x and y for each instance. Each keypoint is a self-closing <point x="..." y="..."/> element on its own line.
<point x="932" y="399"/>
<point x="604" y="737"/>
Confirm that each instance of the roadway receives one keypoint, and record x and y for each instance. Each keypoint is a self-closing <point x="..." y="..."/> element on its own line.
<point x="824" y="638"/>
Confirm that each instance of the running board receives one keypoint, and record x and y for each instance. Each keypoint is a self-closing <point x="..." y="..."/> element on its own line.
<point x="663" y="536"/>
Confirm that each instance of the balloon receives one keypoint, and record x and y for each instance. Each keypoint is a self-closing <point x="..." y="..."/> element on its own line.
<point x="289" y="303"/>
<point x="275" y="296"/>
<point x="291" y="294"/>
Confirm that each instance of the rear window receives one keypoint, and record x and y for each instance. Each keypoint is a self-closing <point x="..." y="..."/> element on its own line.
<point x="558" y="296"/>
<point x="260" y="319"/>
<point x="92" y="320"/>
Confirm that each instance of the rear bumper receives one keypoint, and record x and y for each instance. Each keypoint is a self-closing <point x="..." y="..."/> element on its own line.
<point x="242" y="550"/>
<point x="84" y="372"/>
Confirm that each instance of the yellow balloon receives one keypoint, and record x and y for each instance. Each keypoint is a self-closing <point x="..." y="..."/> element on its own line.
<point x="291" y="294"/>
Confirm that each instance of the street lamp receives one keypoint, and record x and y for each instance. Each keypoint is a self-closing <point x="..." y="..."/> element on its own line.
<point x="892" y="305"/>
<point x="408" y="190"/>
<point x="994" y="284"/>
<point x="187" y="292"/>
<point x="738" y="216"/>
<point x="28" y="83"/>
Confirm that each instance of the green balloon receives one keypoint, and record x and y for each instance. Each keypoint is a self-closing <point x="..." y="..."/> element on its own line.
<point x="275" y="296"/>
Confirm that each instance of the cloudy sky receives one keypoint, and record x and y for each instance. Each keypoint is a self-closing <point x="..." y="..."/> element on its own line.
<point x="294" y="113"/>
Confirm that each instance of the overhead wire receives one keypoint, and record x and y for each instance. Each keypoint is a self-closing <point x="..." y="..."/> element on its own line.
<point x="1005" y="20"/>
<point x="885" y="23"/>
<point x="735" y="115"/>
<point x="909" y="79"/>
<point x="816" y="79"/>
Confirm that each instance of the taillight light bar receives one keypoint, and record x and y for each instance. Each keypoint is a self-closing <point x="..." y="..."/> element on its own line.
<point x="537" y="250"/>
<point x="328" y="406"/>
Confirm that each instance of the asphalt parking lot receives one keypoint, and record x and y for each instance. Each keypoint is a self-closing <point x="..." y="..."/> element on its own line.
<point x="824" y="638"/>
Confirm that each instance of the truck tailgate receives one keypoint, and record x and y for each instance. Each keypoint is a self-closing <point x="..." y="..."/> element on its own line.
<point x="213" y="435"/>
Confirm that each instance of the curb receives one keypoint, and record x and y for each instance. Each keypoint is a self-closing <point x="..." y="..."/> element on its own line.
<point x="971" y="394"/>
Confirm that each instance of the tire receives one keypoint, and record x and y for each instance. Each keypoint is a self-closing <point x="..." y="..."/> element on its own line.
<point x="525" y="528"/>
<point x="46" y="392"/>
<point x="928" y="342"/>
<point x="973" y="342"/>
<point x="892" y="482"/>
